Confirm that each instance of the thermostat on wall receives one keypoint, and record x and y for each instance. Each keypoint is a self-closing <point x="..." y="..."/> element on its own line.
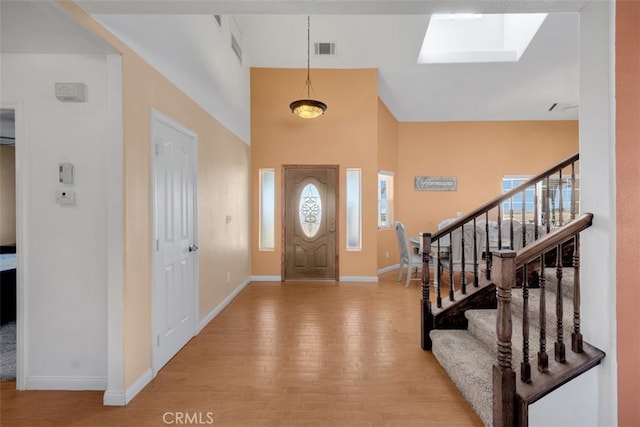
<point x="71" y="92"/>
<point x="65" y="173"/>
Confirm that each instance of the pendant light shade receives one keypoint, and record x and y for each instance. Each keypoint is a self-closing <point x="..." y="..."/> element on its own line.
<point x="308" y="108"/>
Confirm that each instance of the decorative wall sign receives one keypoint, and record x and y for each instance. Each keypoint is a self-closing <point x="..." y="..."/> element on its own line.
<point x="435" y="183"/>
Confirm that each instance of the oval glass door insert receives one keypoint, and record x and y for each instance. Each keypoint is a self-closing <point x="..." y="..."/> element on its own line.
<point x="310" y="210"/>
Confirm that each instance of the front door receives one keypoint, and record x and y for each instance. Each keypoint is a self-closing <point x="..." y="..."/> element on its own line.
<point x="175" y="256"/>
<point x="310" y="223"/>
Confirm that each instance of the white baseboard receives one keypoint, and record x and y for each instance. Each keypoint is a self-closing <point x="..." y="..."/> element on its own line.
<point x="373" y="279"/>
<point x="388" y="269"/>
<point x="65" y="383"/>
<point x="266" y="279"/>
<point x="138" y="385"/>
<point x="209" y="317"/>
<point x="122" y="398"/>
<point x="114" y="398"/>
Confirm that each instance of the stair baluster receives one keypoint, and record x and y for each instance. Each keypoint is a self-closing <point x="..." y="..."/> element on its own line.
<point x="504" y="378"/>
<point x="573" y="191"/>
<point x="463" y="273"/>
<point x="425" y="303"/>
<point x="559" y="344"/>
<point x="476" y="262"/>
<point x="438" y="280"/>
<point x="543" y="357"/>
<point x="576" y="335"/>
<point x="451" y="281"/>
<point x="525" y="366"/>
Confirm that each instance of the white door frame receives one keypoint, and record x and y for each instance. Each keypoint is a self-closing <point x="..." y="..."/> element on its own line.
<point x="157" y="116"/>
<point x="21" y="233"/>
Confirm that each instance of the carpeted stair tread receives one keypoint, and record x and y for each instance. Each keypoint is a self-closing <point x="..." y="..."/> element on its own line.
<point x="517" y="302"/>
<point x="567" y="280"/>
<point x="468" y="355"/>
<point x="469" y="364"/>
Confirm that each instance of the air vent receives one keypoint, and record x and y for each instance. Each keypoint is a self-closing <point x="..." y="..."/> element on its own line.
<point x="325" y="48"/>
<point x="563" y="107"/>
<point x="236" y="47"/>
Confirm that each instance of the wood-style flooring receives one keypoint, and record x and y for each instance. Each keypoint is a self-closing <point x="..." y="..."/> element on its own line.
<point x="282" y="354"/>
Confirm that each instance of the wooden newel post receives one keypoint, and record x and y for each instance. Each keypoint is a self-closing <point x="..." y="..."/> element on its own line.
<point x="504" y="378"/>
<point x="426" y="322"/>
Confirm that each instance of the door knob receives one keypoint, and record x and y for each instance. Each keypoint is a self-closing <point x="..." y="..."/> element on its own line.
<point x="193" y="248"/>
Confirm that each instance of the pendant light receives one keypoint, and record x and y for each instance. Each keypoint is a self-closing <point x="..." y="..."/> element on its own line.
<point x="308" y="108"/>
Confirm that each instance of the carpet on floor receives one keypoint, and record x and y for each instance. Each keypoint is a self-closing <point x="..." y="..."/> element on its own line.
<point x="8" y="352"/>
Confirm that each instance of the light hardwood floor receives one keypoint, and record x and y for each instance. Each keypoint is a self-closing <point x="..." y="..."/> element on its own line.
<point x="290" y="354"/>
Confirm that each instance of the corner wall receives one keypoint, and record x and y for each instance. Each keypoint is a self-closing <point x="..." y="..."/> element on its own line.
<point x="223" y="158"/>
<point x="388" y="126"/>
<point x="346" y="135"/>
<point x="627" y="207"/>
<point x="63" y="248"/>
<point x="591" y="399"/>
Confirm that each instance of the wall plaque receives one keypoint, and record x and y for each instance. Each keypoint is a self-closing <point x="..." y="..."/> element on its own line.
<point x="435" y="183"/>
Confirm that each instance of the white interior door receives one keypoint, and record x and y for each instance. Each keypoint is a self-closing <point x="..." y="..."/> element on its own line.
<point x="175" y="248"/>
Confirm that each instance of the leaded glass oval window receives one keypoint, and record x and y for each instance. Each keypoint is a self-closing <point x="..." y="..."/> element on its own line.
<point x="310" y="210"/>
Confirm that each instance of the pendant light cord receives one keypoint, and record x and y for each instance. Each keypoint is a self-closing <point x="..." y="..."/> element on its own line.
<point x="308" y="55"/>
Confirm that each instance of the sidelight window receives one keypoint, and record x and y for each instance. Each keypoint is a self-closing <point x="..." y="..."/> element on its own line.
<point x="385" y="199"/>
<point x="267" y="209"/>
<point x="354" y="217"/>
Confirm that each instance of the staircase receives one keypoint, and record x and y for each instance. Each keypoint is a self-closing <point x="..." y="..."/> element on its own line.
<point x="468" y="355"/>
<point x="510" y="334"/>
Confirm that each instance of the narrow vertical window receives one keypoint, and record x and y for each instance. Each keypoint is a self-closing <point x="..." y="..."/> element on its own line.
<point x="267" y="209"/>
<point x="385" y="199"/>
<point x="354" y="217"/>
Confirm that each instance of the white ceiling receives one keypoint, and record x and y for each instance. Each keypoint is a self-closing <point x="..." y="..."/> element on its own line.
<point x="368" y="34"/>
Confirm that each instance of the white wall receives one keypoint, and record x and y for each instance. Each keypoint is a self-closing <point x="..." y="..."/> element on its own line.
<point x="209" y="73"/>
<point x="64" y="249"/>
<point x="593" y="397"/>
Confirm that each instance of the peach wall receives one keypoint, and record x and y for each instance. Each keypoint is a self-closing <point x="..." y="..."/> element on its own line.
<point x="627" y="207"/>
<point x="345" y="136"/>
<point x="478" y="154"/>
<point x="7" y="194"/>
<point x="223" y="160"/>
<point x="388" y="253"/>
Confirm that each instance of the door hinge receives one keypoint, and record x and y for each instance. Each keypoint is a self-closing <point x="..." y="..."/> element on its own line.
<point x="157" y="149"/>
<point x="157" y="244"/>
<point x="158" y="341"/>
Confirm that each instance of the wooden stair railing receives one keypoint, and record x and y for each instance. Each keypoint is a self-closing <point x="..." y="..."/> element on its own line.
<point x="512" y="398"/>
<point x="544" y="187"/>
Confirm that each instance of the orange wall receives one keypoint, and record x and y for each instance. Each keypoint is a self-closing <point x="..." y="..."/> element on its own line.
<point x="627" y="207"/>
<point x="388" y="253"/>
<point x="478" y="154"/>
<point x="7" y="194"/>
<point x="223" y="161"/>
<point x="345" y="136"/>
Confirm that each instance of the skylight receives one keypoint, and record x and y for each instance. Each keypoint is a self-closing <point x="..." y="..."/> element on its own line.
<point x="460" y="38"/>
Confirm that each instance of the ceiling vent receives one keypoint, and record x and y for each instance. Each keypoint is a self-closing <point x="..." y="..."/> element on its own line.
<point x="325" y="48"/>
<point x="563" y="107"/>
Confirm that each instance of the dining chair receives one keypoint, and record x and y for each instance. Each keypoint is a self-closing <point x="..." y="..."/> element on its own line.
<point x="505" y="231"/>
<point x="529" y="235"/>
<point x="408" y="257"/>
<point x="442" y="224"/>
<point x="454" y="263"/>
